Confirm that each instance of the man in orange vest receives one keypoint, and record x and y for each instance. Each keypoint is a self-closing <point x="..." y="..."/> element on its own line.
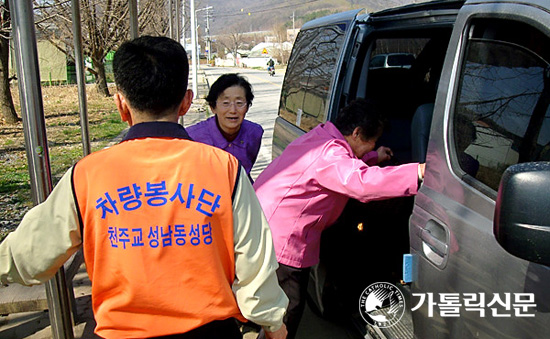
<point x="175" y="242"/>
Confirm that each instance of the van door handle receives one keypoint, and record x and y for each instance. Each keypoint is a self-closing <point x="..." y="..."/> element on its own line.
<point x="436" y="245"/>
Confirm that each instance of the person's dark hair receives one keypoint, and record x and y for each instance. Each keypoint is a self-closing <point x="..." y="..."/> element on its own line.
<point x="224" y="82"/>
<point x="363" y="113"/>
<point x="152" y="73"/>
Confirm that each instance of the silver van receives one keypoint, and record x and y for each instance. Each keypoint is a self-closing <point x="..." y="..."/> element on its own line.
<point x="474" y="105"/>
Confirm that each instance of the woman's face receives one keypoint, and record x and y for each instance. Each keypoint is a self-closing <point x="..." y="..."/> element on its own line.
<point x="362" y="147"/>
<point x="359" y="145"/>
<point x="231" y="107"/>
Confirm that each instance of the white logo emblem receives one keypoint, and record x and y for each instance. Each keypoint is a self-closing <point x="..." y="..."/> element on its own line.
<point x="382" y="304"/>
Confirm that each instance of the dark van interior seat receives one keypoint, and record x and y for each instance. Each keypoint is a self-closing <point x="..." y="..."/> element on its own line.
<point x="398" y="137"/>
<point x="420" y="132"/>
<point x="390" y="88"/>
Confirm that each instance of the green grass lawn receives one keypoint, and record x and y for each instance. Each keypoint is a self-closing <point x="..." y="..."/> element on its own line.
<point x="63" y="133"/>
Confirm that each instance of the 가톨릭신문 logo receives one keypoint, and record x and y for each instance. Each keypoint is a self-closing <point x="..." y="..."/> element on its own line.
<point x="381" y="304"/>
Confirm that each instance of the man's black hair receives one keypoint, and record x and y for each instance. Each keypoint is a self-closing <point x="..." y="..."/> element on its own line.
<point x="152" y="73"/>
<point x="224" y="82"/>
<point x="363" y="113"/>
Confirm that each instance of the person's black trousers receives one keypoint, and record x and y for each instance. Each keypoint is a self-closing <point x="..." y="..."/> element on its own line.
<point x="294" y="283"/>
<point x="226" y="329"/>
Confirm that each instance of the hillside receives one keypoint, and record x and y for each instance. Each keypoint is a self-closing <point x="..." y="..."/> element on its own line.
<point x="227" y="16"/>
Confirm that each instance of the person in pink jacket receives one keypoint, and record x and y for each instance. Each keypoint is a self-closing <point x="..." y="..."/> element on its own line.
<point x="305" y="189"/>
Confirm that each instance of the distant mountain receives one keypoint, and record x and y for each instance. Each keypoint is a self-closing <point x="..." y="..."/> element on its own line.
<point x="227" y="16"/>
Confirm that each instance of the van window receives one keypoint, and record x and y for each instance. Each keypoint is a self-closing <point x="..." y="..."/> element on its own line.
<point x="393" y="73"/>
<point x="400" y="60"/>
<point x="377" y="61"/>
<point x="501" y="116"/>
<point x="402" y="75"/>
<point x="313" y="63"/>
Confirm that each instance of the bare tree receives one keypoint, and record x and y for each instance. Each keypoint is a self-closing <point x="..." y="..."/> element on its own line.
<point x="153" y="18"/>
<point x="6" y="101"/>
<point x="105" y="24"/>
<point x="232" y="42"/>
<point x="282" y="55"/>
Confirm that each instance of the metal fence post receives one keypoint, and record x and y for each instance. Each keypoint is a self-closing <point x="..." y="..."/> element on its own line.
<point x="80" y="77"/>
<point x="36" y="145"/>
<point x="133" y="9"/>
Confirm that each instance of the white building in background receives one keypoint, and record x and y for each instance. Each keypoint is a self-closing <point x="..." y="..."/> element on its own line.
<point x="257" y="56"/>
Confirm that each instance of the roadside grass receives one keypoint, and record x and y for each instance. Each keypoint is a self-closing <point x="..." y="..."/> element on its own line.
<point x="63" y="133"/>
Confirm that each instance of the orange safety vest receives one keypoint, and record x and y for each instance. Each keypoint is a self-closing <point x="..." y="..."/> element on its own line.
<point x="157" y="222"/>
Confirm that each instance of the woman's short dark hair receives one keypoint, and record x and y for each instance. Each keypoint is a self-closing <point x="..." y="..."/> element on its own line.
<point x="224" y="82"/>
<point x="363" y="113"/>
<point x="152" y="73"/>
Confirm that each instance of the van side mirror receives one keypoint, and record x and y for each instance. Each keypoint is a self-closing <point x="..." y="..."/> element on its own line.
<point x="522" y="213"/>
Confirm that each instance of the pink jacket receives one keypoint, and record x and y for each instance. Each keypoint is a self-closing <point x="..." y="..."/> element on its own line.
<point x="305" y="190"/>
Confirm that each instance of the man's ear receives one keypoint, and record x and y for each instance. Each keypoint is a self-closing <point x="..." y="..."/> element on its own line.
<point x="357" y="132"/>
<point x="123" y="109"/>
<point x="186" y="103"/>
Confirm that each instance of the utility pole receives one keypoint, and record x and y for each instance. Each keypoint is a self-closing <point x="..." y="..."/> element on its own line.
<point x="193" y="46"/>
<point x="208" y="44"/>
<point x="133" y="9"/>
<point x="177" y="21"/>
<point x="181" y="39"/>
<point x="207" y="28"/>
<point x="183" y="23"/>
<point x="170" y="19"/>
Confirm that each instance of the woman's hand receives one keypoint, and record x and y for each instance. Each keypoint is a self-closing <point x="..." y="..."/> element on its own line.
<point x="384" y="154"/>
<point x="279" y="334"/>
<point x="421" y="169"/>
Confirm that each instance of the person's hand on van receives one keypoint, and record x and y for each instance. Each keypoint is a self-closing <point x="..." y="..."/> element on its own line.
<point x="421" y="169"/>
<point x="384" y="154"/>
<point x="279" y="334"/>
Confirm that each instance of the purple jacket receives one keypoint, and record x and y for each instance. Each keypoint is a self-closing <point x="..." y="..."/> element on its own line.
<point x="245" y="147"/>
<point x="305" y="190"/>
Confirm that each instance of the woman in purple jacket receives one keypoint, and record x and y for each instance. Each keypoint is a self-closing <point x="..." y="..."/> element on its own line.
<point x="305" y="189"/>
<point x="229" y="98"/>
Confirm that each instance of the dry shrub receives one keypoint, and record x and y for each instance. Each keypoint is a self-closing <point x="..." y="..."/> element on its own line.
<point x="64" y="99"/>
